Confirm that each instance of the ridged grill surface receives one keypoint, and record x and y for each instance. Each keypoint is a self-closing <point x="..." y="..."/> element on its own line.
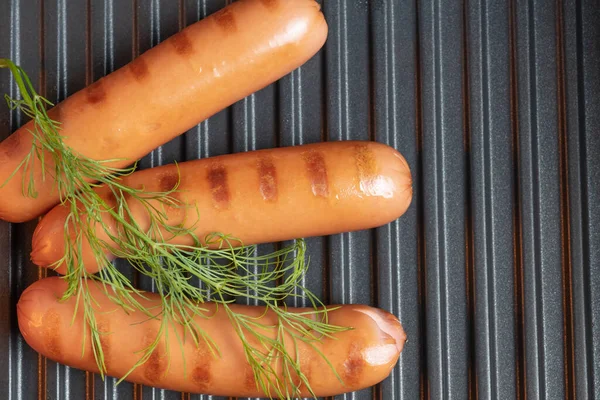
<point x="495" y="268"/>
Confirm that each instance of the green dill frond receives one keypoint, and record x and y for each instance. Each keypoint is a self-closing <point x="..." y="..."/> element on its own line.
<point x="224" y="271"/>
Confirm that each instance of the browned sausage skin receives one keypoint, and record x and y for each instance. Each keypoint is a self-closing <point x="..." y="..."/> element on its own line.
<point x="266" y="196"/>
<point x="168" y="90"/>
<point x="362" y="357"/>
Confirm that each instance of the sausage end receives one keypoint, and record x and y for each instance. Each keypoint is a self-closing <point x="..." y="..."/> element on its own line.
<point x="39" y="324"/>
<point x="46" y="243"/>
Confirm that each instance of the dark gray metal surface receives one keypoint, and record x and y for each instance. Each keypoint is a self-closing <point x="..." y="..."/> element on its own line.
<point x="495" y="268"/>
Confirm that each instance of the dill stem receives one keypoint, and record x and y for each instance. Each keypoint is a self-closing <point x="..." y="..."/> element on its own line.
<point x="226" y="271"/>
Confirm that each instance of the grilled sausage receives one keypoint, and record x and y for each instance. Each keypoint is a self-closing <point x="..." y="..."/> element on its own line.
<point x="362" y="356"/>
<point x="168" y="90"/>
<point x="261" y="196"/>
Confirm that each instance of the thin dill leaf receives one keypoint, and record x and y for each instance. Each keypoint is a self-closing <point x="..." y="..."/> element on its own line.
<point x="225" y="267"/>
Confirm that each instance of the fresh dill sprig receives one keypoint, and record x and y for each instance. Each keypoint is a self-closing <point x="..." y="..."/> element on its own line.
<point x="222" y="266"/>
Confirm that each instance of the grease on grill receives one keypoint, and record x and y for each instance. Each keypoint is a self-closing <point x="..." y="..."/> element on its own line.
<point x="219" y="187"/>
<point x="268" y="178"/>
<point x="317" y="173"/>
<point x="226" y="20"/>
<point x="182" y="43"/>
<point x="96" y="92"/>
<point x="139" y="68"/>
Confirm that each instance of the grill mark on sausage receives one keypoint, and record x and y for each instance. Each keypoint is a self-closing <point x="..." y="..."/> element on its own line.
<point x="371" y="182"/>
<point x="52" y="330"/>
<point x="201" y="374"/>
<point x="267" y="174"/>
<point x="12" y="145"/>
<point x="354" y="366"/>
<point x="217" y="180"/>
<point x="225" y="19"/>
<point x="366" y="164"/>
<point x="305" y="368"/>
<point x="96" y="92"/>
<point x="182" y="43"/>
<point x="169" y="181"/>
<point x="155" y="366"/>
<point x="317" y="173"/>
<point x="249" y="380"/>
<point x="270" y="4"/>
<point x="139" y="68"/>
<point x="104" y="329"/>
